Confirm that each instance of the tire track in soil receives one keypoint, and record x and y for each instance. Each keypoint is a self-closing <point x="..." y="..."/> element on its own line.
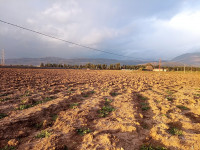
<point x="145" y="117"/>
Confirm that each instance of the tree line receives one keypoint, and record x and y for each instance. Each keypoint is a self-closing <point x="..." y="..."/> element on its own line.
<point x="116" y="66"/>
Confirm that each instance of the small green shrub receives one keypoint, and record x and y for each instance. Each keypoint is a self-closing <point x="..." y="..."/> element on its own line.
<point x="4" y="94"/>
<point x="2" y="115"/>
<point x="74" y="105"/>
<point x="108" y="101"/>
<point x="148" y="147"/>
<point x="54" y="117"/>
<point x="92" y="92"/>
<point x="144" y="126"/>
<point x="108" y="108"/>
<point x="175" y="131"/>
<point x="24" y="106"/>
<point x="85" y="95"/>
<point x="182" y="107"/>
<point x="104" y="89"/>
<point x="142" y="97"/>
<point x="27" y="93"/>
<point x="144" y="104"/>
<point x="38" y="102"/>
<point x="105" y="110"/>
<point x="70" y="92"/>
<point x="83" y="131"/>
<point x="169" y="98"/>
<point x="169" y="92"/>
<point x="198" y="95"/>
<point x="8" y="148"/>
<point x="4" y="99"/>
<point x="113" y="94"/>
<point x="157" y="101"/>
<point x="39" y="125"/>
<point x="43" y="134"/>
<point x="46" y="99"/>
<point x="145" y="108"/>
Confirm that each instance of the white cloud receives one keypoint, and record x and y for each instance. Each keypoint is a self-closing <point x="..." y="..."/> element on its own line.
<point x="69" y="23"/>
<point x="187" y="22"/>
<point x="95" y="36"/>
<point x="168" y="38"/>
<point x="62" y="14"/>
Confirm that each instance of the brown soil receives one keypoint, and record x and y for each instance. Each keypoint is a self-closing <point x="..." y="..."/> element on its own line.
<point x="147" y="106"/>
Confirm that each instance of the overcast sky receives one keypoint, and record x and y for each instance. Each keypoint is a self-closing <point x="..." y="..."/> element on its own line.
<point x="144" y="29"/>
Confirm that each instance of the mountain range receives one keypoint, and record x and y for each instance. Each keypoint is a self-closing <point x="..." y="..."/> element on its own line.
<point x="77" y="61"/>
<point x="190" y="59"/>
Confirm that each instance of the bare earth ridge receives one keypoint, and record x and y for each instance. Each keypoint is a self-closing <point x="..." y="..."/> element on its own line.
<point x="48" y="109"/>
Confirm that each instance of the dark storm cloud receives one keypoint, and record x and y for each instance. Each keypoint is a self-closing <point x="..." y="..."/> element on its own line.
<point x="142" y="29"/>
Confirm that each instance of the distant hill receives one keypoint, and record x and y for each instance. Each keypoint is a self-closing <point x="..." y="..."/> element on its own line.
<point x="78" y="61"/>
<point x="189" y="59"/>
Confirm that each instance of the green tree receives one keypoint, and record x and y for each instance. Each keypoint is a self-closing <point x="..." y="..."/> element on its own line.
<point x="42" y="65"/>
<point x="117" y="66"/>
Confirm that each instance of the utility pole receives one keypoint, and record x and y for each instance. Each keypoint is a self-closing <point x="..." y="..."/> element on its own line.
<point x="2" y="57"/>
<point x="159" y="64"/>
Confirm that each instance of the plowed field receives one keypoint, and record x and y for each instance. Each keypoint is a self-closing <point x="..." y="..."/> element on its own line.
<point x="105" y="110"/>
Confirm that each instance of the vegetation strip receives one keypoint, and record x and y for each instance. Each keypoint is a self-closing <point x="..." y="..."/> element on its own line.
<point x="26" y="106"/>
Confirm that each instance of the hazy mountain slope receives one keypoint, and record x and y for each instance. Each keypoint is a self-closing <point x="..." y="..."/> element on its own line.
<point x="188" y="58"/>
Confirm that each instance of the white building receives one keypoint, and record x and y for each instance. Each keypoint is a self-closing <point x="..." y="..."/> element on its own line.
<point x="160" y="69"/>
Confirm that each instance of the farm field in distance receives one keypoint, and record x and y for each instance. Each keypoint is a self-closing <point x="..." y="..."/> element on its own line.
<point x="99" y="109"/>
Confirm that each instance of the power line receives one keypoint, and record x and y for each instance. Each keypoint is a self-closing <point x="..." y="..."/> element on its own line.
<point x="53" y="37"/>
